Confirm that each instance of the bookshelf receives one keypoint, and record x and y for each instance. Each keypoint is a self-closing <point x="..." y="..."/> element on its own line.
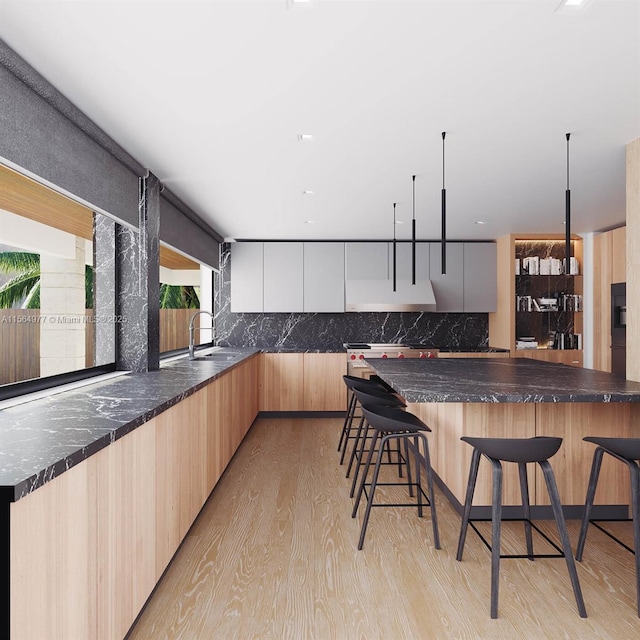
<point x="539" y="311"/>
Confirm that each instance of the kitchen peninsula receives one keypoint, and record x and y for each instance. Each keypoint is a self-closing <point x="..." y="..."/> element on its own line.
<point x="519" y="398"/>
<point x="100" y="485"/>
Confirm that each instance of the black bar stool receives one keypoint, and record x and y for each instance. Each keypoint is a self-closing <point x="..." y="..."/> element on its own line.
<point x="626" y="450"/>
<point x="350" y="382"/>
<point x="392" y="423"/>
<point x="371" y="397"/>
<point x="521" y="451"/>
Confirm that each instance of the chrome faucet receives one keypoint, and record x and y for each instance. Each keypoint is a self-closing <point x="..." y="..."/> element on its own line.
<point x="192" y="328"/>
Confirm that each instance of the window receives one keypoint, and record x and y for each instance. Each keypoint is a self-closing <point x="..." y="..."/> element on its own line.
<point x="47" y="284"/>
<point x="185" y="288"/>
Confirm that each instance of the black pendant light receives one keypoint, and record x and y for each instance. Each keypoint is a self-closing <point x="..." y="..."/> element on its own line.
<point x="394" y="246"/>
<point x="567" y="218"/>
<point x="413" y="235"/>
<point x="444" y="214"/>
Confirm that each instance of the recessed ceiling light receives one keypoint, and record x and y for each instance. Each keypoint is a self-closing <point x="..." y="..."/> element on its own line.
<point x="295" y="4"/>
<point x="572" y="5"/>
<point x="481" y="222"/>
<point x="305" y="137"/>
<point x="308" y="193"/>
<point x="309" y="222"/>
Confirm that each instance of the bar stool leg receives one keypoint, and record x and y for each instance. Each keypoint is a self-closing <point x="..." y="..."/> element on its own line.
<point x="524" y="490"/>
<point x="430" y="492"/>
<point x="346" y="427"/>
<point x="400" y="465"/>
<point x="496" y="521"/>
<point x="366" y="470"/>
<point x="591" y="492"/>
<point x="409" y="474"/>
<point x="471" y="487"/>
<point x="564" y="536"/>
<point x="372" y="488"/>
<point x="356" y="445"/>
<point x="360" y="456"/>
<point x="634" y="472"/>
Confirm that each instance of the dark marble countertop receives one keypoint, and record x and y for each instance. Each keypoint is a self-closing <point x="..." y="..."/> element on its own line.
<point x="42" y="438"/>
<point x="475" y="350"/>
<point x="299" y="350"/>
<point x="501" y="380"/>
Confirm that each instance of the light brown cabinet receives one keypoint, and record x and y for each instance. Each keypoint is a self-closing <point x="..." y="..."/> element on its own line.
<point x="324" y="388"/>
<point x="302" y="382"/>
<point x="281" y="377"/>
<point x="88" y="547"/>
<point x="609" y="267"/>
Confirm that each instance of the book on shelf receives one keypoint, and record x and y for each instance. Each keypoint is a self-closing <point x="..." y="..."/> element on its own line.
<point x="526" y="343"/>
<point x="574" y="267"/>
<point x="531" y="265"/>
<point x="550" y="267"/>
<point x="567" y="341"/>
<point x="524" y="303"/>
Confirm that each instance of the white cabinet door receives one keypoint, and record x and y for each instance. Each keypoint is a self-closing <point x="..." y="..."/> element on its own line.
<point x="448" y="288"/>
<point x="247" y="277"/>
<point x="367" y="260"/>
<point x="283" y="277"/>
<point x="404" y="261"/>
<point x="324" y="277"/>
<point x="480" y="277"/>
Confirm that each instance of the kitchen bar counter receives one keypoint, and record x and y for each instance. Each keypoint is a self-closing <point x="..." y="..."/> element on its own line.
<point x="110" y="476"/>
<point x="520" y="398"/>
<point x="501" y="380"/>
<point x="41" y="439"/>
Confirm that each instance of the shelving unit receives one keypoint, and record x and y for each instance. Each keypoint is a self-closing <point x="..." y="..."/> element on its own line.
<point x="545" y="309"/>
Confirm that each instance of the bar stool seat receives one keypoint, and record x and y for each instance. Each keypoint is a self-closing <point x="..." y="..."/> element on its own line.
<point x="350" y="382"/>
<point x="521" y="451"/>
<point x="371" y="397"/>
<point x="626" y="450"/>
<point x="392" y="423"/>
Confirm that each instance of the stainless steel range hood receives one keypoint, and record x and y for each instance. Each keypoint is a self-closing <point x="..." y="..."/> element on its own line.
<point x="378" y="295"/>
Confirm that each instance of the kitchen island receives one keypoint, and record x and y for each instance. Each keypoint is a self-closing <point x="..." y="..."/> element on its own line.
<point x="520" y="398"/>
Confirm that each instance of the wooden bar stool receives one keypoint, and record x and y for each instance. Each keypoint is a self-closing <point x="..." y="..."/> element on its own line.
<point x="522" y="451"/>
<point x="627" y="450"/>
<point x="392" y="423"/>
<point x="350" y="382"/>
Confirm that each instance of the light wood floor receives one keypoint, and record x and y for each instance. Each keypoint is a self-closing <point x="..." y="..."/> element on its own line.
<point x="273" y="556"/>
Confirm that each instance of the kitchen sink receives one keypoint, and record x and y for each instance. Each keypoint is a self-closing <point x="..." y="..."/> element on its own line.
<point x="223" y="357"/>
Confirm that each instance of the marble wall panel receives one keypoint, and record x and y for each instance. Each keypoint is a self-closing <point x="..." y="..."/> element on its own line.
<point x="104" y="288"/>
<point x="138" y="260"/>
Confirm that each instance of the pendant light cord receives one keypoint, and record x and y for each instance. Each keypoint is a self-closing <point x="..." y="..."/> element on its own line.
<point x="413" y="235"/>
<point x="567" y="219"/>
<point x="444" y="214"/>
<point x="394" y="246"/>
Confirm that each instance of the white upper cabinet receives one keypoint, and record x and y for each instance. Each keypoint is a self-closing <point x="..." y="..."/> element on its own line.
<point x="332" y="277"/>
<point x="480" y="277"/>
<point x="323" y="289"/>
<point x="283" y="276"/>
<point x="404" y="269"/>
<point x="449" y="287"/>
<point x="247" y="277"/>
<point x="367" y="260"/>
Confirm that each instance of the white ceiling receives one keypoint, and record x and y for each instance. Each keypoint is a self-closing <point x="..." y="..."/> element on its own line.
<point x="212" y="94"/>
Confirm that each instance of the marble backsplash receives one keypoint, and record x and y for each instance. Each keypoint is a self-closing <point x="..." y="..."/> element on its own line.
<point x="328" y="331"/>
